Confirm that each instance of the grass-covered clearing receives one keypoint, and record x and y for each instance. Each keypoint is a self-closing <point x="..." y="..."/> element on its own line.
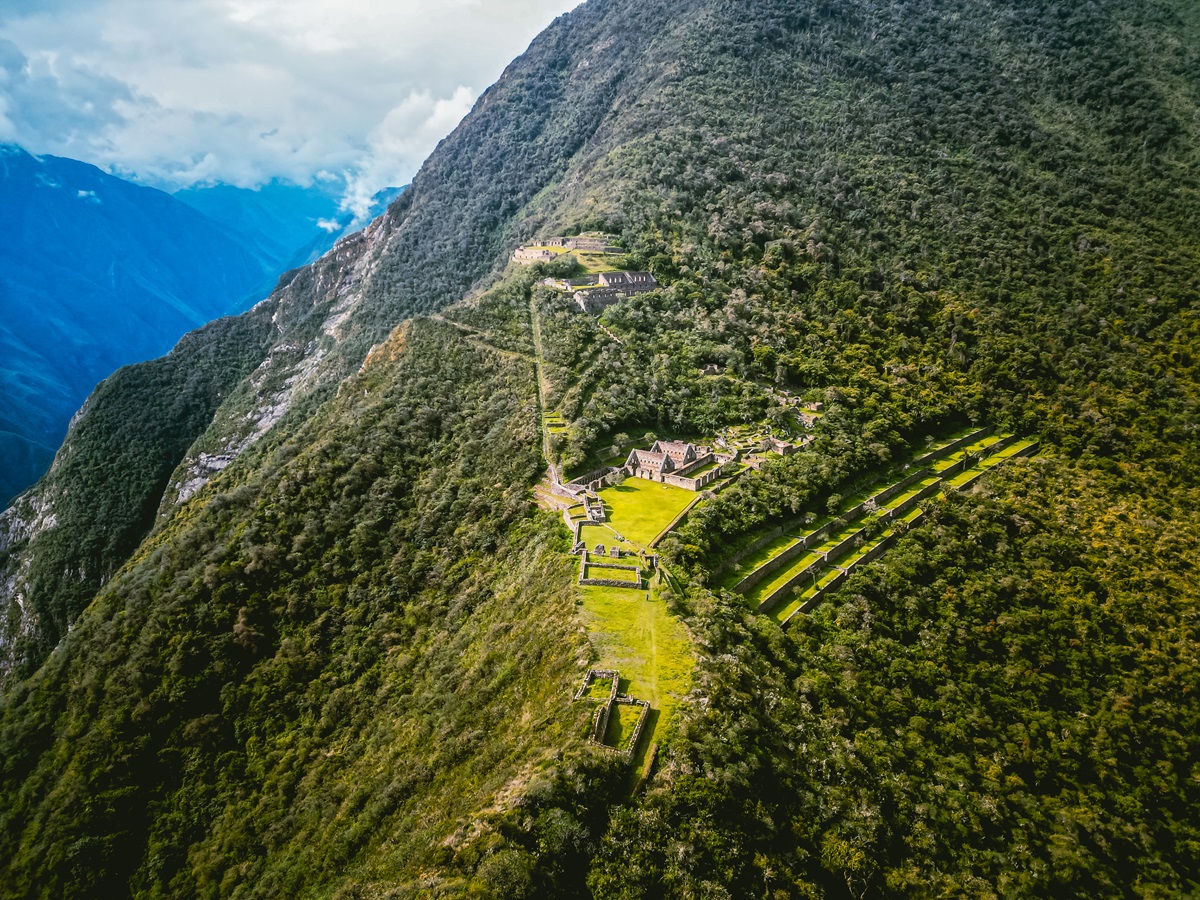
<point x="599" y="689"/>
<point x="599" y="570"/>
<point x="644" y="642"/>
<point x="638" y="509"/>
<point x="621" y="725"/>
<point x="591" y="535"/>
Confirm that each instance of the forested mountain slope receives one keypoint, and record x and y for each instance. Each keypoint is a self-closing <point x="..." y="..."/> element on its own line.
<point x="337" y="660"/>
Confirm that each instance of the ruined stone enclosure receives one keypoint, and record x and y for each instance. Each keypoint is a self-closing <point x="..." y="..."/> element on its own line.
<point x="619" y="719"/>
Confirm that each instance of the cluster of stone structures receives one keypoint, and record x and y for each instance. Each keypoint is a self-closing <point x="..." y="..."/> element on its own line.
<point x="604" y="711"/>
<point x="594" y="293"/>
<point x="530" y="255"/>
<point x="613" y="287"/>
<point x="684" y="465"/>
<point x="591" y="242"/>
<point x="588" y="242"/>
<point x="585" y="561"/>
<point x="677" y="463"/>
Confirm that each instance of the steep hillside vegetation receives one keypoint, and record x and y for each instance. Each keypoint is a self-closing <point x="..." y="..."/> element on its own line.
<point x="341" y="663"/>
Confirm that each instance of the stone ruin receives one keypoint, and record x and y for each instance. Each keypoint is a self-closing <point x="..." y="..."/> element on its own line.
<point x="604" y="711"/>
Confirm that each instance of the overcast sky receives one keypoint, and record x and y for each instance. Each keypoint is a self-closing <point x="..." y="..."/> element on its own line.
<point x="178" y="92"/>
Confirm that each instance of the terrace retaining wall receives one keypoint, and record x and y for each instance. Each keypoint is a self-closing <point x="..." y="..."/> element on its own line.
<point x="921" y="461"/>
<point x="835" y="552"/>
<point x="874" y="553"/>
<point x="1025" y="451"/>
<point x="814" y="537"/>
<point x="926" y="458"/>
<point x="900" y="486"/>
<point x="924" y="494"/>
<point x="757" y="545"/>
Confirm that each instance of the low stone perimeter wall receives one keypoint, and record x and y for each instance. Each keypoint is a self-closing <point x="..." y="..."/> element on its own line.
<point x="595" y="675"/>
<point x="584" y="562"/>
<point x="604" y="712"/>
<point x="638" y="728"/>
<point x="941" y="452"/>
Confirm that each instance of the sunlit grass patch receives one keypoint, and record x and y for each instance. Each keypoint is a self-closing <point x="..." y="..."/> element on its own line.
<point x="638" y="509"/>
<point x="643" y="641"/>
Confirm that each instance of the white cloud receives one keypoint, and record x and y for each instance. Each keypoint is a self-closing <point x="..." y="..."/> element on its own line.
<point x="242" y="91"/>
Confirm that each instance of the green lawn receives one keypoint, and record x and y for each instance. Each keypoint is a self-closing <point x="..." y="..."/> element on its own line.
<point x="644" y="642"/>
<point x="621" y="723"/>
<point x="599" y="570"/>
<point x="599" y="689"/>
<point x="638" y="509"/>
<point x="592" y="535"/>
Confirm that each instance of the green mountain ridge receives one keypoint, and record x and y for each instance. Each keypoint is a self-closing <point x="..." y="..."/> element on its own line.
<point x="339" y="660"/>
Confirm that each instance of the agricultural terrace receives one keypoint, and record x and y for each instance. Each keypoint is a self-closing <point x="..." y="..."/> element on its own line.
<point x="800" y="566"/>
<point x="733" y="572"/>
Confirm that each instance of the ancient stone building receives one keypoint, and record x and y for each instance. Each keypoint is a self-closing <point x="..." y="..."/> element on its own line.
<point x="530" y="255"/>
<point x="596" y="300"/>
<point x="673" y="462"/>
<point x="628" y="282"/>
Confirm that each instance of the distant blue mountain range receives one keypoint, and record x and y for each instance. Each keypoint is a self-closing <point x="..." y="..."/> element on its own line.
<point x="97" y="272"/>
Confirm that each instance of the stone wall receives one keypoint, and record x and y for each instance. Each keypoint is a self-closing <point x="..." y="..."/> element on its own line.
<point x="608" y="582"/>
<point x="930" y="456"/>
<point x="639" y="727"/>
<point x="692" y="484"/>
<point x="595" y="675"/>
<point x="901" y="486"/>
<point x="583" y="481"/>
<point x="871" y="555"/>
<point x="924" y="494"/>
<point x="698" y="463"/>
<point x="600" y="722"/>
<point x="814" y="537"/>
<point x="594" y="509"/>
<point x="604" y="711"/>
<point x="834" y="553"/>
<point x="849" y="516"/>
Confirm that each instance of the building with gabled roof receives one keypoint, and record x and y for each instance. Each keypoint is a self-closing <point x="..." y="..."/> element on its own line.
<point x="649" y="464"/>
<point x="681" y="453"/>
<point x="674" y="462"/>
